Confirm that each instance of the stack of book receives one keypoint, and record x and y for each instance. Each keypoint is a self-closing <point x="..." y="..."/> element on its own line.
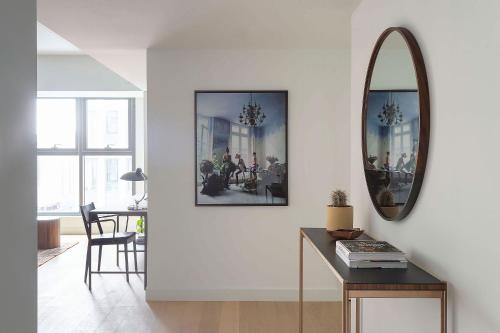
<point x="370" y="254"/>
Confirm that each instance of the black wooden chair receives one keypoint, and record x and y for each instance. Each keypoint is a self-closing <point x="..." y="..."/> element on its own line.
<point x="101" y="239"/>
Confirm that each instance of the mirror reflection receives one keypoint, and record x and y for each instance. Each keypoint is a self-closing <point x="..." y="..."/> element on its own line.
<point x="392" y="126"/>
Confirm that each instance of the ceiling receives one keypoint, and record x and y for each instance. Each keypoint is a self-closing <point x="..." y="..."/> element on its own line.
<point x="139" y="24"/>
<point x="126" y="28"/>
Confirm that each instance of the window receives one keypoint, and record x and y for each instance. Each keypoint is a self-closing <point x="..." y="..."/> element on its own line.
<point x="107" y="124"/>
<point x="402" y="140"/>
<point x="203" y="139"/>
<point x="58" y="183"/>
<point x="84" y="146"/>
<point x="102" y="180"/>
<point x="240" y="142"/>
<point x="51" y="113"/>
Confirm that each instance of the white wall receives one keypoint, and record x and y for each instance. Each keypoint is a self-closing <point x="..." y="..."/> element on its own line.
<point x="77" y="73"/>
<point x="242" y="252"/>
<point x="18" y="241"/>
<point x="454" y="227"/>
<point x="128" y="63"/>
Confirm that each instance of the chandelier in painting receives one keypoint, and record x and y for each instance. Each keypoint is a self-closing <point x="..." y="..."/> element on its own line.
<point x="390" y="114"/>
<point x="252" y="114"/>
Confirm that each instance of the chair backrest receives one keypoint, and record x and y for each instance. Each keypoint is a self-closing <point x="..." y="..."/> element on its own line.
<point x="89" y="217"/>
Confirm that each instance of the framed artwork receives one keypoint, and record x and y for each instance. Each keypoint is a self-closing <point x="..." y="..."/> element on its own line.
<point x="241" y="150"/>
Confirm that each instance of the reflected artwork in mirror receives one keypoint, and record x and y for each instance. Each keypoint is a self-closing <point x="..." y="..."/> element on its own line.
<point x="395" y="133"/>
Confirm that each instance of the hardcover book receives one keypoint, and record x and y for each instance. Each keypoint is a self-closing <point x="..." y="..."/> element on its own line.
<point x="368" y="250"/>
<point x="392" y="264"/>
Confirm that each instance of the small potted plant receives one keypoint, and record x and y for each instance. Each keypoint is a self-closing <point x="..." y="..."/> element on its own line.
<point x="386" y="203"/>
<point x="339" y="213"/>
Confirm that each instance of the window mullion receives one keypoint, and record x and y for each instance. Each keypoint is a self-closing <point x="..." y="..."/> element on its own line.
<point x="131" y="136"/>
<point x="81" y="129"/>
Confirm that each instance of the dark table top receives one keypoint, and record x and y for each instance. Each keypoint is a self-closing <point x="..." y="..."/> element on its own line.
<point x="412" y="275"/>
<point x="121" y="211"/>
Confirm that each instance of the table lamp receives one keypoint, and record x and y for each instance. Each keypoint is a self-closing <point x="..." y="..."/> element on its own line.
<point x="135" y="176"/>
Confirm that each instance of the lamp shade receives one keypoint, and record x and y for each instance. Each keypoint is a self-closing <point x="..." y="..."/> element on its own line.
<point x="134" y="176"/>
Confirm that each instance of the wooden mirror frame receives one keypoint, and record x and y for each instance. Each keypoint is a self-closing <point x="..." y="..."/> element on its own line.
<point x="424" y="121"/>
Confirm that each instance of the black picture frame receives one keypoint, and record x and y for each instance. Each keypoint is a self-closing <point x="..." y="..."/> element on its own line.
<point x="283" y="201"/>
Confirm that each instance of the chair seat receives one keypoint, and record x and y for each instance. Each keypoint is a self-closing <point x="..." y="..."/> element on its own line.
<point x="107" y="238"/>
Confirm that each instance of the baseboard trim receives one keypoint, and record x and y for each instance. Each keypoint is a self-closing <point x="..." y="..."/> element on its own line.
<point x="272" y="295"/>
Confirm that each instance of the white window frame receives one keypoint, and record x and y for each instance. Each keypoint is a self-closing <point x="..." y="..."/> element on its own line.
<point x="81" y="149"/>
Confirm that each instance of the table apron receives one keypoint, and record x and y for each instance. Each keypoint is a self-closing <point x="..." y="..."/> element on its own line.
<point x="395" y="293"/>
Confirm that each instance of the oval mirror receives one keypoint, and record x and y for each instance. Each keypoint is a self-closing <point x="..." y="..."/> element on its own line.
<point x="395" y="123"/>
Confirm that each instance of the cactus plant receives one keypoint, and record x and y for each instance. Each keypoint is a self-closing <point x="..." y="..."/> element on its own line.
<point x="338" y="213"/>
<point x="386" y="198"/>
<point x="338" y="198"/>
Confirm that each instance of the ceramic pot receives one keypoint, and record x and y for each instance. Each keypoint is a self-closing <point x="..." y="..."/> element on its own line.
<point x="338" y="218"/>
<point x="390" y="211"/>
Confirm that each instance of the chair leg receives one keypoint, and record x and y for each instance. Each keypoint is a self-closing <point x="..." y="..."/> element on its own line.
<point x="86" y="264"/>
<point x="100" y="256"/>
<point x="126" y="260"/>
<point x="90" y="268"/>
<point x="135" y="256"/>
<point x="118" y="255"/>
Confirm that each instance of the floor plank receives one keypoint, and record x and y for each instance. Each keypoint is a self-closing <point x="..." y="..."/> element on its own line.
<point x="66" y="305"/>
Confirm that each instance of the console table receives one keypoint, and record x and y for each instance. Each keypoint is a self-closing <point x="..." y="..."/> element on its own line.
<point x="357" y="284"/>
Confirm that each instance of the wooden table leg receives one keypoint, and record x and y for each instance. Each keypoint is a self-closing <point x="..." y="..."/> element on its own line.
<point x="349" y="307"/>
<point x="358" y="315"/>
<point x="444" y="310"/>
<point x="346" y="311"/>
<point x="301" y="281"/>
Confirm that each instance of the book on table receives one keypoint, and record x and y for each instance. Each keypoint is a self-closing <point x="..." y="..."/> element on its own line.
<point x="373" y="263"/>
<point x="370" y="254"/>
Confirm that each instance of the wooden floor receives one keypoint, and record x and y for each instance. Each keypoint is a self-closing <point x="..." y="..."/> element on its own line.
<point x="66" y="305"/>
